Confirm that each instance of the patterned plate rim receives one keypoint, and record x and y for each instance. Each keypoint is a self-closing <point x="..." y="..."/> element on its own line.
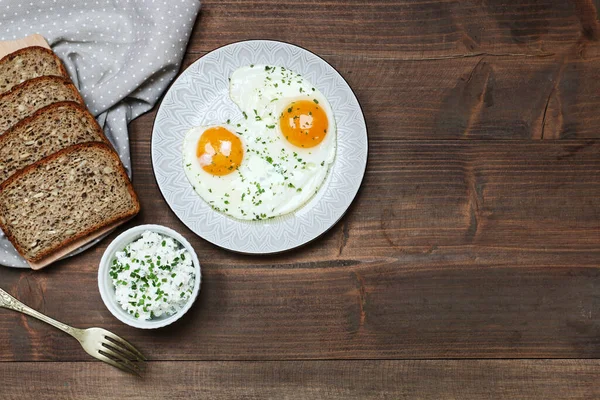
<point x="330" y="224"/>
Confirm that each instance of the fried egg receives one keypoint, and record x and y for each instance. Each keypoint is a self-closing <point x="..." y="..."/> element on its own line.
<point x="277" y="155"/>
<point x="212" y="155"/>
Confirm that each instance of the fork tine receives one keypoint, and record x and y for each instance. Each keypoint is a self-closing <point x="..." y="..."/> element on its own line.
<point x="122" y="349"/>
<point x="123" y="355"/>
<point x="121" y="366"/>
<point x="107" y="350"/>
<point x="124" y="343"/>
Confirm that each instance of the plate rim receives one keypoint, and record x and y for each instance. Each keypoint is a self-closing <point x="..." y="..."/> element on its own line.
<point x="296" y="246"/>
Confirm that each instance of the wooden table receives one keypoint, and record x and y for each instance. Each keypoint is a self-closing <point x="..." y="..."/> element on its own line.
<point x="467" y="267"/>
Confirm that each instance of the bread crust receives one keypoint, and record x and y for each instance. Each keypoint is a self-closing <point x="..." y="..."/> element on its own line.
<point x="34" y="81"/>
<point x="16" y="53"/>
<point x="125" y="215"/>
<point x="49" y="108"/>
<point x="9" y="57"/>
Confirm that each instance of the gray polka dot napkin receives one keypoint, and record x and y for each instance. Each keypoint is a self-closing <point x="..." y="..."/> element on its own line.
<point x="121" y="54"/>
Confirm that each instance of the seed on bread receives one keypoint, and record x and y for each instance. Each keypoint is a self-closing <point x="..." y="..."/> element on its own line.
<point x="27" y="63"/>
<point x="23" y="100"/>
<point x="80" y="207"/>
<point x="47" y="131"/>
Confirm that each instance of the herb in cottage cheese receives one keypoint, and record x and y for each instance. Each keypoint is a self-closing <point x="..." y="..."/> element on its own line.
<point x="153" y="276"/>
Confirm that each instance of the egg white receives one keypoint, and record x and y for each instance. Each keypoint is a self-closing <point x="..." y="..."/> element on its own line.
<point x="210" y="187"/>
<point x="262" y="93"/>
<point x="275" y="177"/>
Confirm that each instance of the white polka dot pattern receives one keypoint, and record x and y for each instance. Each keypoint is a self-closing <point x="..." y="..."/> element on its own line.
<point x="120" y="54"/>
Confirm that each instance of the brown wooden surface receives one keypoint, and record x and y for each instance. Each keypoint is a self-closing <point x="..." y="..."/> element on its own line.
<point x="367" y="379"/>
<point x="476" y="234"/>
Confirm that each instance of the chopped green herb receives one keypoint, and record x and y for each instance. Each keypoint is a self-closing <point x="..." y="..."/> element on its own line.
<point x="146" y="277"/>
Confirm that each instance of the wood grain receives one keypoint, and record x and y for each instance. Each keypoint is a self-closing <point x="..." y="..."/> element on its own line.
<point x="403" y="29"/>
<point x="466" y="379"/>
<point x="476" y="233"/>
<point x="455" y="303"/>
<point x="452" y="249"/>
<point x="444" y="69"/>
<point x="479" y="97"/>
<point x="521" y="195"/>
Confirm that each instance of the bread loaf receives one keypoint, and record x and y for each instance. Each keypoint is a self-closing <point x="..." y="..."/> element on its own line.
<point x="26" y="98"/>
<point x="27" y="63"/>
<point x="47" y="131"/>
<point x="65" y="197"/>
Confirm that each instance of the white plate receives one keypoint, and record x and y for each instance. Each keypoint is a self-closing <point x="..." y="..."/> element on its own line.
<point x="200" y="96"/>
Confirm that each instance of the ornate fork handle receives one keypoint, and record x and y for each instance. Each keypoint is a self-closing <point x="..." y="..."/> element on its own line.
<point x="7" y="301"/>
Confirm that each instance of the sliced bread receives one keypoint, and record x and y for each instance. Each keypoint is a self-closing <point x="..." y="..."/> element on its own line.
<point x="28" y="63"/>
<point x="28" y="97"/>
<point x="47" y="131"/>
<point x="64" y="197"/>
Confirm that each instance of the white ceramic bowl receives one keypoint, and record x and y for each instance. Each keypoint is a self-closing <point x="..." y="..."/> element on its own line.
<point x="107" y="290"/>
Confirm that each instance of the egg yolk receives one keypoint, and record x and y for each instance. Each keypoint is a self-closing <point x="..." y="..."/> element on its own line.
<point x="304" y="123"/>
<point x="219" y="151"/>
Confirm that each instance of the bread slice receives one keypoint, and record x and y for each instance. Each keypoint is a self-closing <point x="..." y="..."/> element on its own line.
<point x="28" y="97"/>
<point x="63" y="197"/>
<point x="47" y="131"/>
<point x="27" y="63"/>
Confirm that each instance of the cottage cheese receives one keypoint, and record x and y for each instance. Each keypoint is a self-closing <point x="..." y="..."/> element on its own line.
<point x="153" y="276"/>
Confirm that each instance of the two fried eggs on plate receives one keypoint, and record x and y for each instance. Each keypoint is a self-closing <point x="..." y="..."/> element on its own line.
<point x="276" y="158"/>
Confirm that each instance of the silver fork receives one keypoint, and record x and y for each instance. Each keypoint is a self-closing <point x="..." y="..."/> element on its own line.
<point x="97" y="342"/>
